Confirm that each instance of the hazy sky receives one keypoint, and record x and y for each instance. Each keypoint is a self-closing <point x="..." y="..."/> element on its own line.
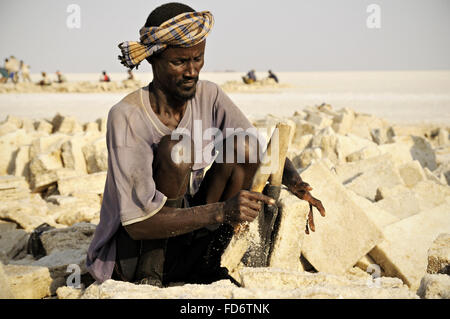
<point x="294" y="35"/>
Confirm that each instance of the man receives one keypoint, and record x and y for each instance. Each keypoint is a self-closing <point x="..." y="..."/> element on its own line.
<point x="162" y="220"/>
<point x="25" y="70"/>
<point x="60" y="78"/>
<point x="105" y="77"/>
<point x="272" y="76"/>
<point x="45" y="81"/>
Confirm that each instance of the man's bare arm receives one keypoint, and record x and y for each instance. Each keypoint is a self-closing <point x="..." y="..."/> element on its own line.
<point x="170" y="222"/>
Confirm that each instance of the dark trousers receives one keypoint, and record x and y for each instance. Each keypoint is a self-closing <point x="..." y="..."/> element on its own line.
<point x="190" y="258"/>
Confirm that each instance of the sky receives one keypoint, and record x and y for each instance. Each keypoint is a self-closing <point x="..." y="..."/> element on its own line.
<point x="294" y="35"/>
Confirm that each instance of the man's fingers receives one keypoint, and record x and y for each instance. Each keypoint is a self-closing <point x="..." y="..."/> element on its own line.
<point x="318" y="204"/>
<point x="255" y="205"/>
<point x="248" y="214"/>
<point x="254" y="196"/>
<point x="311" y="219"/>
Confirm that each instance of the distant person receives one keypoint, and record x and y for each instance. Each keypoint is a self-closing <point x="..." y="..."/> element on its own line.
<point x="4" y="72"/>
<point x="105" y="77"/>
<point x="250" y="77"/>
<point x="60" y="78"/>
<point x="14" y="66"/>
<point x="45" y="80"/>
<point x="273" y="76"/>
<point x="130" y="75"/>
<point x="25" y="71"/>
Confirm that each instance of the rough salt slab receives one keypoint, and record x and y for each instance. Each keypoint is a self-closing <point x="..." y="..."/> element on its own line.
<point x="346" y="234"/>
<point x="404" y="252"/>
<point x="288" y="240"/>
<point x="439" y="255"/>
<point x="28" y="282"/>
<point x="92" y="183"/>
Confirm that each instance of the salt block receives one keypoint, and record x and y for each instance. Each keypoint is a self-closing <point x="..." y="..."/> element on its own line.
<point x="29" y="282"/>
<point x="400" y="152"/>
<point x="342" y="124"/>
<point x="431" y="194"/>
<point x="44" y="180"/>
<point x="346" y="234"/>
<point x="411" y="173"/>
<point x="13" y="182"/>
<point x="377" y="215"/>
<point x="381" y="175"/>
<point x="434" y="286"/>
<point x="348" y="144"/>
<point x="45" y="162"/>
<point x="323" y="285"/>
<point x="367" y="264"/>
<point x="439" y="255"/>
<point x="91" y="127"/>
<point x="5" y="290"/>
<point x="364" y="153"/>
<point x="66" y="124"/>
<point x="307" y="156"/>
<point x="21" y="162"/>
<point x="303" y="127"/>
<point x="76" y="237"/>
<point x="443" y="136"/>
<point x="102" y="122"/>
<point x="65" y="292"/>
<point x="96" y="156"/>
<point x="72" y="154"/>
<point x="404" y="252"/>
<point x="399" y="201"/>
<point x="46" y="144"/>
<point x="43" y="126"/>
<point x="434" y="178"/>
<point x="12" y="242"/>
<point x="320" y="119"/>
<point x="6" y="128"/>
<point x="25" y="214"/>
<point x="302" y="142"/>
<point x="423" y="152"/>
<point x="288" y="239"/>
<point x="91" y="183"/>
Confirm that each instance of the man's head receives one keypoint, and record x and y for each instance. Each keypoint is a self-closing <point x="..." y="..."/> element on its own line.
<point x="175" y="69"/>
<point x="173" y="42"/>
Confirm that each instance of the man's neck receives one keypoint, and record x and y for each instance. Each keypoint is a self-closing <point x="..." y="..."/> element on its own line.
<point x="168" y="109"/>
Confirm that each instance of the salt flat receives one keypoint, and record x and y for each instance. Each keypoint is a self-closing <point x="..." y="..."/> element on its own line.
<point x="407" y="97"/>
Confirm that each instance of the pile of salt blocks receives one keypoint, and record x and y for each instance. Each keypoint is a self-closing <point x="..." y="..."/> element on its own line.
<point x="385" y="188"/>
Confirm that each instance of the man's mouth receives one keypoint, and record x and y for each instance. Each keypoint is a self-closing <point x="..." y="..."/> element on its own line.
<point x="188" y="83"/>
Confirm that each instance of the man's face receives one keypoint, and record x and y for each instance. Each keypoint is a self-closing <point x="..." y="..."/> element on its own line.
<point x="176" y="70"/>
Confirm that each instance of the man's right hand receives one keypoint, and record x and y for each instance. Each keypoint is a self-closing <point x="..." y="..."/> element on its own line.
<point x="244" y="207"/>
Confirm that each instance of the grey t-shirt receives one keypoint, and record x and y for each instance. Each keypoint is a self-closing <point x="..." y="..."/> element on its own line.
<point x="133" y="132"/>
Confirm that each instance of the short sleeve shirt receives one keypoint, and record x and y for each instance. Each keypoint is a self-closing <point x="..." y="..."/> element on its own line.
<point x="133" y="133"/>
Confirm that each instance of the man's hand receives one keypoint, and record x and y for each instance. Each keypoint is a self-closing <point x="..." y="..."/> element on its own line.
<point x="302" y="191"/>
<point x="244" y="207"/>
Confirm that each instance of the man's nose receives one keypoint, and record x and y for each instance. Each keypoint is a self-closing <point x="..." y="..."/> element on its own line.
<point x="191" y="70"/>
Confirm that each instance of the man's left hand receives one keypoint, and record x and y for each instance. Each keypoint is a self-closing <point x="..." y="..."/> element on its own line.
<point x="302" y="191"/>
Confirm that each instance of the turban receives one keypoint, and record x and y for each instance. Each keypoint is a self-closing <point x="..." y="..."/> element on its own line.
<point x="184" y="30"/>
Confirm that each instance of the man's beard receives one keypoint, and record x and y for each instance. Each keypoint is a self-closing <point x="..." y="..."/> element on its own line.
<point x="185" y="94"/>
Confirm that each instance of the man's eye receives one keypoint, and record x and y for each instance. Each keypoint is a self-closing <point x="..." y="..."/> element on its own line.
<point x="198" y="59"/>
<point x="177" y="62"/>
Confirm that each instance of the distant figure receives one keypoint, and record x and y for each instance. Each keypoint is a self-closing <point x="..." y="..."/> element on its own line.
<point x="130" y="75"/>
<point x="4" y="72"/>
<point x="14" y="66"/>
<point x="45" y="80"/>
<point x="105" y="77"/>
<point x="60" y="77"/>
<point x="273" y="76"/>
<point x="250" y="77"/>
<point x="25" y="71"/>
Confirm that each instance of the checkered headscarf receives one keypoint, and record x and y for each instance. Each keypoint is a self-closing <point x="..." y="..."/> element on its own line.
<point x="184" y="30"/>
